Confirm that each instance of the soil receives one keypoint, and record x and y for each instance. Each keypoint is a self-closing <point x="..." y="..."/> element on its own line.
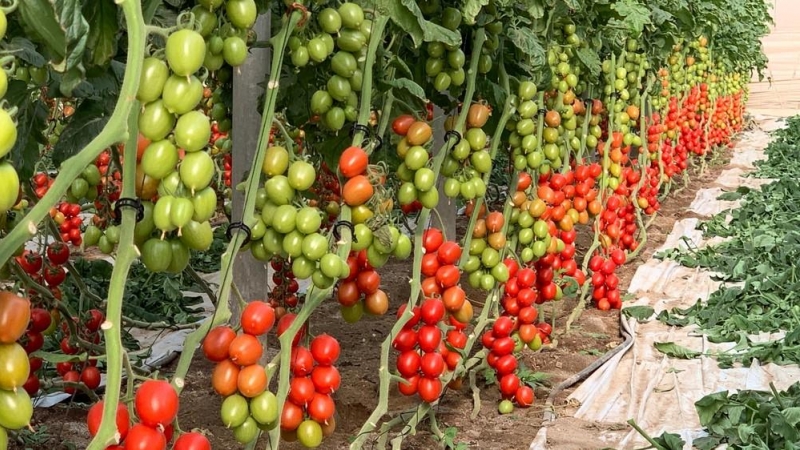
<point x="594" y="333"/>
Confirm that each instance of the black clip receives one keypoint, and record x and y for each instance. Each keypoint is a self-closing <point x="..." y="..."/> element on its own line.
<point x="134" y="203"/>
<point x="380" y="143"/>
<point x="452" y="133"/>
<point x="239" y="226"/>
<point x="360" y="127"/>
<point x="542" y="111"/>
<point x="344" y="223"/>
<point x="588" y="100"/>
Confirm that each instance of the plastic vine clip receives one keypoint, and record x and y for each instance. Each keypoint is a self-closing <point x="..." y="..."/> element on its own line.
<point x="360" y="127"/>
<point x="453" y="133"/>
<point x="344" y="223"/>
<point x="127" y="202"/>
<point x="239" y="226"/>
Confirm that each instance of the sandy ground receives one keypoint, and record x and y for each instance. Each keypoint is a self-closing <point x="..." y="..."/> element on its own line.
<point x="779" y="93"/>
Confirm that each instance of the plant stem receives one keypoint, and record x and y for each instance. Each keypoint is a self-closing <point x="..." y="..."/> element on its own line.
<point x="112" y="327"/>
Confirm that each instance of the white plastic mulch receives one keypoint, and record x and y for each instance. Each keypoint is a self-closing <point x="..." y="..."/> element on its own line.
<point x="643" y="384"/>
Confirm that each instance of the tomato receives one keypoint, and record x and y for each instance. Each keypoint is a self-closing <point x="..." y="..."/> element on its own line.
<point x="429" y="389"/>
<point x="377" y="303"/>
<point x="285" y="322"/>
<point x="155" y="121"/>
<point x="9" y="135"/>
<point x="154" y="75"/>
<point x="432" y="365"/>
<point x="185" y="52"/>
<point x="291" y="416"/>
<point x="225" y="377"/>
<point x="54" y="276"/>
<point x="234" y="411"/>
<point x="16" y="409"/>
<point x="257" y="318"/>
<point x="329" y="20"/>
<point x="95" y="415"/>
<point x="325" y="349"/>
<point x="142" y="437"/>
<point x="301" y="175"/>
<point x="477" y="116"/>
<point x="241" y="13"/>
<point x="352" y="15"/>
<point x="252" y="380"/>
<point x="354" y="161"/>
<point x="505" y="407"/>
<point x="197" y="170"/>
<point x="429" y="337"/>
<point x="326" y="379"/>
<point x="321" y="408"/>
<point x="301" y="391"/>
<point x="419" y="133"/>
<point x="182" y="94"/>
<point x="156" y="403"/>
<point x="245" y="350"/>
<point x="524" y="396"/>
<point x="15" y="313"/>
<point x="90" y="376"/>
<point x="402" y="123"/>
<point x="264" y="408"/>
<point x="14" y="366"/>
<point x="192" y="131"/>
<point x="408" y="363"/>
<point x="192" y="441"/>
<point x="57" y="253"/>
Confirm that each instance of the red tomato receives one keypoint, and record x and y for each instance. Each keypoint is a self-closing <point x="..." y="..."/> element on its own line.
<point x="354" y="161"/>
<point x="408" y="363"/>
<point x="449" y="252"/>
<point x="192" y="441"/>
<point x="326" y="379"/>
<point x="503" y="326"/>
<point x="405" y="340"/>
<point x="302" y="361"/>
<point x="257" y="318"/>
<point x="156" y="403"/>
<point x="325" y="349"/>
<point x="301" y="391"/>
<point x="432" y="311"/>
<point x="90" y="376"/>
<point x="95" y="415"/>
<point x="429" y="337"/>
<point x="524" y="396"/>
<point x="217" y="342"/>
<point x="429" y="389"/>
<point x="142" y="437"/>
<point x="432" y="239"/>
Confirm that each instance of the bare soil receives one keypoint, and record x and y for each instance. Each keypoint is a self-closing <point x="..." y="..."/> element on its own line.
<point x="593" y="334"/>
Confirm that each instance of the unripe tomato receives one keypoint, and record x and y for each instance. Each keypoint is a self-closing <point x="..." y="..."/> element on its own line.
<point x="185" y="52"/>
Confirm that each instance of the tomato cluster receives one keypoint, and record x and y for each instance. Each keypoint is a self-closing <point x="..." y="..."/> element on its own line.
<point x="470" y="160"/>
<point x="308" y="415"/>
<point x="425" y="352"/>
<point x="484" y="264"/>
<point x="156" y="406"/>
<point x="248" y="405"/>
<point x="327" y="189"/>
<point x="502" y="345"/>
<point x="605" y="283"/>
<point x="67" y="217"/>
<point x="445" y="63"/>
<point x="284" y="294"/>
<point x="418" y="182"/>
<point x="360" y="290"/>
<point x="85" y="372"/>
<point x="341" y="35"/>
<point x="357" y="189"/>
<point x="16" y="408"/>
<point x="10" y="189"/>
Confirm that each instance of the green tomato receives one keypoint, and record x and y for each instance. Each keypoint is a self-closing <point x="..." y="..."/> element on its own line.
<point x="309" y="434"/>
<point x="155" y="122"/>
<point x="506" y="407"/>
<point x="182" y="94"/>
<point x="279" y="190"/>
<point x="234" y="50"/>
<point x="196" y="171"/>
<point x="351" y="40"/>
<point x="292" y="244"/>
<point x="9" y="186"/>
<point x="185" y="51"/>
<point x="308" y="220"/>
<point x="429" y="199"/>
<point x="303" y="268"/>
<point x="344" y="64"/>
<point x="339" y="87"/>
<point x="362" y="237"/>
<point x="329" y="20"/>
<point x="352" y="15"/>
<point x="159" y="159"/>
<point x="284" y="219"/>
<point x="314" y="246"/>
<point x="300" y="57"/>
<point x="352" y="314"/>
<point x="151" y="83"/>
<point x="334" y="118"/>
<point x="403" y="248"/>
<point x="264" y="408"/>
<point x="330" y="265"/>
<point x="320" y="280"/>
<point x="16" y="409"/>
<point x="156" y="255"/>
<point x="241" y="13"/>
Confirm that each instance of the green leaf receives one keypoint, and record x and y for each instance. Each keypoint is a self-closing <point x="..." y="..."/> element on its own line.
<point x="527" y="43"/>
<point x="407" y="15"/>
<point x="660" y="16"/>
<point x="149" y="8"/>
<point x="26" y="51"/>
<point x="470" y="10"/>
<point x="708" y="406"/>
<point x="102" y="43"/>
<point x="671" y="441"/>
<point x="640" y="313"/>
<point x="536" y="9"/>
<point x="41" y="23"/>
<point x="674" y="350"/>
<point x="590" y="59"/>
<point x="31" y="122"/>
<point x="409" y="86"/>
<point x="635" y="15"/>
<point x="87" y="122"/>
<point x="792" y="415"/>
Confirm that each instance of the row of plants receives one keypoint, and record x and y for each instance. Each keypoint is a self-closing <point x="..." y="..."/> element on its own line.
<point x="592" y="112"/>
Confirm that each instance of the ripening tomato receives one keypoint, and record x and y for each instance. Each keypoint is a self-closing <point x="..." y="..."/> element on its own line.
<point x="192" y="441"/>
<point x="357" y="190"/>
<point x="156" y="403"/>
<point x="245" y="350"/>
<point x="353" y="162"/>
<point x="257" y="318"/>
<point x="95" y="415"/>
<point x="142" y="437"/>
<point x="225" y="377"/>
<point x="217" y="342"/>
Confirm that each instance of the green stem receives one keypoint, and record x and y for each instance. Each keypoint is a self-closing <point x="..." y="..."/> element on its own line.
<point x="116" y="130"/>
<point x="112" y="327"/>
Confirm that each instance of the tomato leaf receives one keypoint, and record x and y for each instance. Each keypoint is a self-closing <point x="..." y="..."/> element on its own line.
<point x="407" y="15"/>
<point x="674" y="350"/>
<point x="26" y="51"/>
<point x="102" y="44"/>
<point x="635" y="15"/>
<point x="40" y="22"/>
<point x="87" y="122"/>
<point x="527" y="42"/>
<point x="31" y="122"/>
<point x="641" y="313"/>
<point x="590" y="60"/>
<point x="407" y="85"/>
<point x="471" y="9"/>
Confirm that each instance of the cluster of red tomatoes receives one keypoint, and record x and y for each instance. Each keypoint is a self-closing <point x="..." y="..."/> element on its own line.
<point x="17" y="410"/>
<point x="156" y="407"/>
<point x="238" y="376"/>
<point x="502" y="341"/>
<point x="520" y="294"/>
<point x="357" y="190"/>
<point x="67" y="217"/>
<point x="86" y="372"/>
<point x="327" y="191"/>
<point x="423" y="353"/>
<point x="605" y="283"/>
<point x="692" y="120"/>
<point x="227" y="166"/>
<point x="360" y="289"/>
<point x="284" y="294"/>
<point x="308" y="415"/>
<point x="442" y="275"/>
<point x="41" y="184"/>
<point x="725" y="119"/>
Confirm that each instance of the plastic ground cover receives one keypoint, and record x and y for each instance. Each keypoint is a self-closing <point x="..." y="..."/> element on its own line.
<point x="641" y="383"/>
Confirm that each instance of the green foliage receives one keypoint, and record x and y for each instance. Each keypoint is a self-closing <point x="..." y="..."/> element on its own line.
<point x="760" y="252"/>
